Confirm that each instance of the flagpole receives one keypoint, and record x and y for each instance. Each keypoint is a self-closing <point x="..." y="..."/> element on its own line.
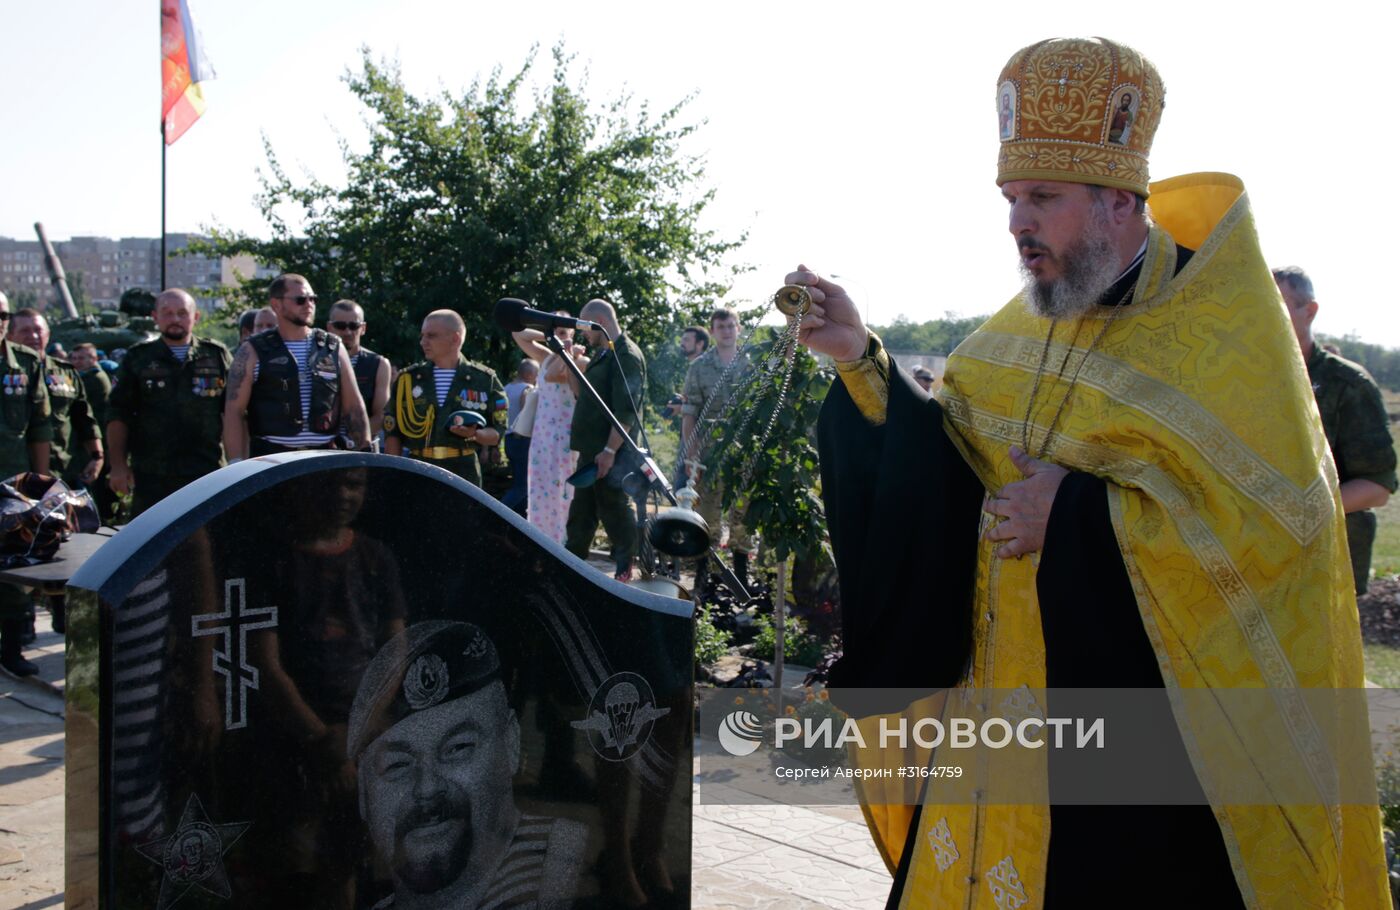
<point x="162" y="207"/>
<point x="161" y="35"/>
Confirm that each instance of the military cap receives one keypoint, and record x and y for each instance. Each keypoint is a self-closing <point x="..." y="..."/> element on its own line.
<point x="426" y="665"/>
<point x="466" y="419"/>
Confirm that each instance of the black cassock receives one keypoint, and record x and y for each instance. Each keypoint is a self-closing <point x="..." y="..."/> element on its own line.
<point x="903" y="509"/>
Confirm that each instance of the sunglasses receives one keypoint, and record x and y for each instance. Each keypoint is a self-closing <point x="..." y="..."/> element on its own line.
<point x="346" y="326"/>
<point x="5" y="317"/>
<point x="300" y="298"/>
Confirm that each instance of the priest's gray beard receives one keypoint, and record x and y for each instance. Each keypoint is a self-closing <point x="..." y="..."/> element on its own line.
<point x="1088" y="268"/>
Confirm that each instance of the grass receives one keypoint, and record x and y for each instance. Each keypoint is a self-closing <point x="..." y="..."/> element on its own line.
<point x="1382" y="665"/>
<point x="1385" y="556"/>
<point x="1382" y="662"/>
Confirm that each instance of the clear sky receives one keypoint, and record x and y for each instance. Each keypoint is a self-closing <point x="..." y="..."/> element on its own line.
<point x="859" y="138"/>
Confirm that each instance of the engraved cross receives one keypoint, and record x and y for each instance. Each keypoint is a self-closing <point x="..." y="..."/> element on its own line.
<point x="231" y="658"/>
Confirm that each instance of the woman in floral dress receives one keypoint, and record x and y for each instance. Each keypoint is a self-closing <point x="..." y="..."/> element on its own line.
<point x="551" y="460"/>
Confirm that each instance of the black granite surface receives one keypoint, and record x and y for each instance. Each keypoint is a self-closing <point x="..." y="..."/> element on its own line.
<point x="524" y="722"/>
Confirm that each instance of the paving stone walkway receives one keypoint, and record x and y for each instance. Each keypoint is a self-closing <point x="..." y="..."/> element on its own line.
<point x="758" y="857"/>
<point x="748" y="853"/>
<point x="31" y="781"/>
<point x="746" y="857"/>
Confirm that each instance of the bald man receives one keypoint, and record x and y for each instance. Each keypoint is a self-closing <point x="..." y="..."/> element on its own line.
<point x="445" y="408"/>
<point x="619" y="373"/>
<point x="164" y="418"/>
<point x="264" y="320"/>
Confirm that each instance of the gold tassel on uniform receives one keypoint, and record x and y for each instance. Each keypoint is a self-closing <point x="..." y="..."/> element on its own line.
<point x="412" y="424"/>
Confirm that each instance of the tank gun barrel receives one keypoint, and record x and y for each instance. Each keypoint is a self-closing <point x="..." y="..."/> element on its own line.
<point x="60" y="281"/>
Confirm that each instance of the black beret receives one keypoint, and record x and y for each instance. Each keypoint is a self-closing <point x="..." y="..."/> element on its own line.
<point x="425" y="665"/>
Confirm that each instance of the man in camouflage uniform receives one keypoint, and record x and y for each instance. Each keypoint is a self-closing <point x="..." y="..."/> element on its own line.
<point x="96" y="382"/>
<point x="75" y="453"/>
<point x="166" y="410"/>
<point x="98" y="386"/>
<point x="425" y="419"/>
<point x="25" y="433"/>
<point x="619" y="374"/>
<point x="707" y="389"/>
<point x="1354" y="419"/>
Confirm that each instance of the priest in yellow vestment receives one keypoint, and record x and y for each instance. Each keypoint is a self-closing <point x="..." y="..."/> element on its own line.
<point x="1160" y="511"/>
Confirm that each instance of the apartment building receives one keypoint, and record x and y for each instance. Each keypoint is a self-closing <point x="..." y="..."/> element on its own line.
<point x="109" y="267"/>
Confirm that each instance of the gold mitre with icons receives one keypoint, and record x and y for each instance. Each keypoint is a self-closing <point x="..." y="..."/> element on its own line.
<point x="1082" y="110"/>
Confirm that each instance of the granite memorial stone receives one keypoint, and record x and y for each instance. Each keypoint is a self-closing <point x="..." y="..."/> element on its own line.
<point x="355" y="681"/>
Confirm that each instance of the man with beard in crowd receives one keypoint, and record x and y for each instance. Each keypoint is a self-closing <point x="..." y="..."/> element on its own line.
<point x="291" y="390"/>
<point x="165" y="414"/>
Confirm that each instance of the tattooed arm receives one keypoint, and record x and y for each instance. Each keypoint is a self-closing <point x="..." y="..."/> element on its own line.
<point x="352" y="404"/>
<point x="381" y="397"/>
<point x="240" y="391"/>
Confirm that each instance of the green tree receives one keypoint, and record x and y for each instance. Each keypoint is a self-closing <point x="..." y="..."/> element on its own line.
<point x="768" y="459"/>
<point x="1381" y="362"/>
<point x="462" y="199"/>
<point x="77" y="289"/>
<point x="936" y="336"/>
<point x="775" y="480"/>
<point x="26" y="297"/>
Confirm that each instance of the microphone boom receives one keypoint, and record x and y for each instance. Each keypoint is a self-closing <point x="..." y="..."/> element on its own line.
<point x="515" y="315"/>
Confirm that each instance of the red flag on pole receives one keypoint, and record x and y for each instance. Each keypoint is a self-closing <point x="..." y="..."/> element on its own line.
<point x="183" y="67"/>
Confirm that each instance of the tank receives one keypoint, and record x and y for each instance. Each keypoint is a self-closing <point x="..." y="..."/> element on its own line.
<point x="131" y="323"/>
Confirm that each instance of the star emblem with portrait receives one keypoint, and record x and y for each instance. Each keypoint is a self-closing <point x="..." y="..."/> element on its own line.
<point x="193" y="856"/>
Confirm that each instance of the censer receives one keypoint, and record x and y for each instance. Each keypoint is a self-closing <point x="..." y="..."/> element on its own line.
<point x="680" y="528"/>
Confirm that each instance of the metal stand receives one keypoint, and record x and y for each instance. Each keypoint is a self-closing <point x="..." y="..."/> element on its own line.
<point x="654" y="479"/>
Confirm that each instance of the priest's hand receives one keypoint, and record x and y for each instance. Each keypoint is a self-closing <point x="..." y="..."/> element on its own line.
<point x="833" y="325"/>
<point x="1025" y="506"/>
